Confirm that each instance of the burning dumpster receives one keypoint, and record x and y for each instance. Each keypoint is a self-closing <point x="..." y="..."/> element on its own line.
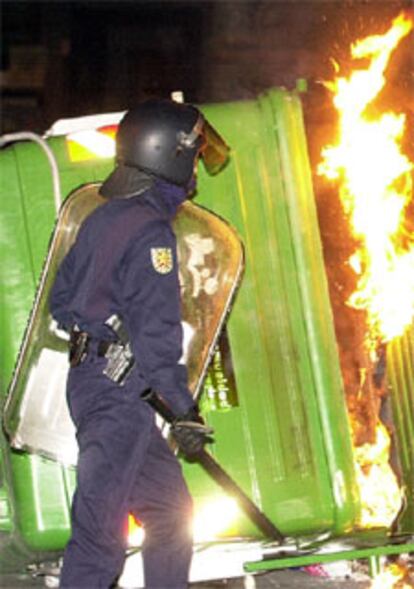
<point x="276" y="390"/>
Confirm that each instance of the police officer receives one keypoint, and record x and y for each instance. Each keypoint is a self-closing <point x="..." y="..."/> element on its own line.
<point x="123" y="265"/>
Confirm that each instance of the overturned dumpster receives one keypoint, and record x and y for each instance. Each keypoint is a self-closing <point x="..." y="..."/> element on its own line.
<point x="272" y="386"/>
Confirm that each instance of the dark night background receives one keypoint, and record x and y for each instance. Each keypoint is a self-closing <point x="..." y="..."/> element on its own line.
<point x="63" y="59"/>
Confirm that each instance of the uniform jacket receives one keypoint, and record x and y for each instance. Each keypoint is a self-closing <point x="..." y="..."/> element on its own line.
<point x="124" y="261"/>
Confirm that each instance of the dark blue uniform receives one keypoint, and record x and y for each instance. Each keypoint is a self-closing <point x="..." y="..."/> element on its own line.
<point x="124" y="261"/>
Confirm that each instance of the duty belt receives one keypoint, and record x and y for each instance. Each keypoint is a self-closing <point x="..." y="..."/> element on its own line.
<point x="120" y="360"/>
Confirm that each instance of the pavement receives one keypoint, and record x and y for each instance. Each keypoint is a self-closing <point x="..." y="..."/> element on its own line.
<point x="286" y="579"/>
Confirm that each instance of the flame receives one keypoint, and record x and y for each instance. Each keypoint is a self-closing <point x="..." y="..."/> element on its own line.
<point x="213" y="519"/>
<point x="135" y="531"/>
<point x="380" y="493"/>
<point x="391" y="577"/>
<point x="376" y="186"/>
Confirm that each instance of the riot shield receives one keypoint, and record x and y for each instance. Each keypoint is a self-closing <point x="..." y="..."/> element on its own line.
<point x="210" y="255"/>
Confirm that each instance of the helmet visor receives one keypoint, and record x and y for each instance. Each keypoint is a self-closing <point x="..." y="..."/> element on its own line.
<point x="215" y="152"/>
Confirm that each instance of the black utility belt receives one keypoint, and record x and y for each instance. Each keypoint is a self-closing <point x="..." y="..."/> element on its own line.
<point x="120" y="360"/>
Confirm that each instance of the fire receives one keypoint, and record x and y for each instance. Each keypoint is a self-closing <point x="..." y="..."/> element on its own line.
<point x="375" y="187"/>
<point x="135" y="531"/>
<point x="380" y="493"/>
<point x="212" y="519"/>
<point x="391" y="578"/>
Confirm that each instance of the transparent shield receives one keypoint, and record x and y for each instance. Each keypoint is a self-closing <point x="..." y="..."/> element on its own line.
<point x="211" y="262"/>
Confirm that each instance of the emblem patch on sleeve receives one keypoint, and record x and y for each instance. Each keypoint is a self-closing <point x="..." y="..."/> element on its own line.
<point x="162" y="259"/>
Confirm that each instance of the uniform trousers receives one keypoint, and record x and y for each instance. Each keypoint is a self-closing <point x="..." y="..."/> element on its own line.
<point x="124" y="466"/>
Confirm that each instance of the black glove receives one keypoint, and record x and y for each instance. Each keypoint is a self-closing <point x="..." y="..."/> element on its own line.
<point x="191" y="433"/>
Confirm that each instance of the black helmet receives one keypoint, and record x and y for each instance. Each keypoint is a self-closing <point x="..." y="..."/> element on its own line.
<point x="163" y="138"/>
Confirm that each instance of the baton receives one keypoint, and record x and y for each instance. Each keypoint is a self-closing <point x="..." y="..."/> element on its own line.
<point x="217" y="473"/>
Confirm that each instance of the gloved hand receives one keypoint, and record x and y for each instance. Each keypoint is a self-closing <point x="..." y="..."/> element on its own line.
<point x="191" y="433"/>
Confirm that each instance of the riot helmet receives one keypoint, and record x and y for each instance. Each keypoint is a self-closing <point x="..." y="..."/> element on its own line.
<point x="165" y="139"/>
